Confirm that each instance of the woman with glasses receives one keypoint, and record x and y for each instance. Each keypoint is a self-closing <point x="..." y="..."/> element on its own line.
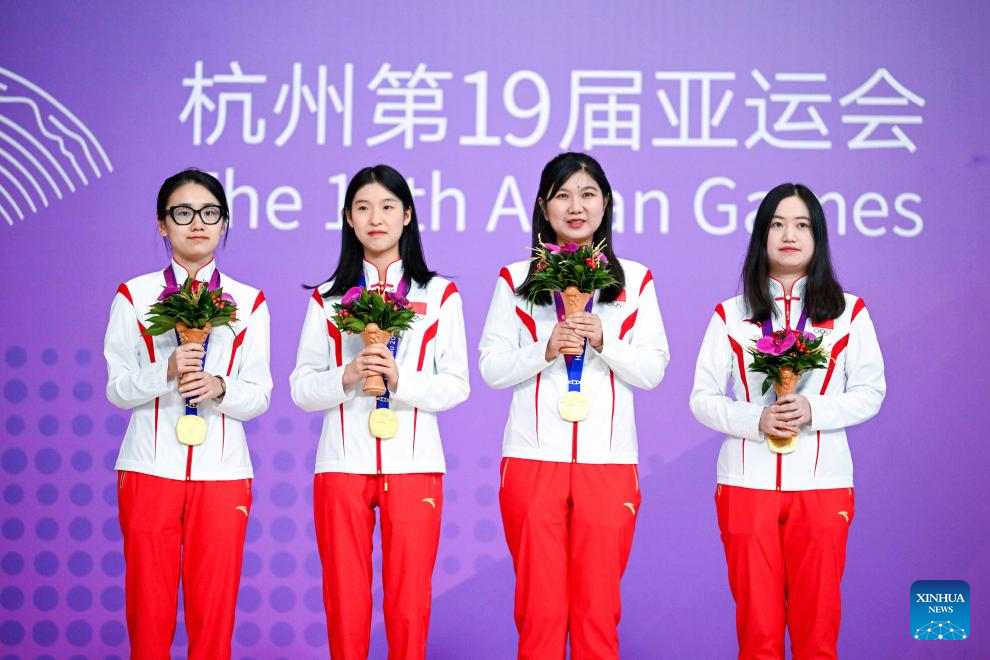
<point x="183" y="502"/>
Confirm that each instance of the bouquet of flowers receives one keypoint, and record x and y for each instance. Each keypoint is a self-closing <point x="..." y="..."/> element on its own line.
<point x="377" y="317"/>
<point x="783" y="356"/>
<point x="192" y="310"/>
<point x="572" y="271"/>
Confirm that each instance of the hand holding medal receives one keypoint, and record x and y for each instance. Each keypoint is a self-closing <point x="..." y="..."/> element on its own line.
<point x="380" y="318"/>
<point x="191" y="311"/>
<point x="572" y="273"/>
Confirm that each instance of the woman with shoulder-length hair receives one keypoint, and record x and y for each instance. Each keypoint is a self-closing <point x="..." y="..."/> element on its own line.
<point x="184" y="498"/>
<point x="784" y="517"/>
<point x="570" y="489"/>
<point x="426" y="372"/>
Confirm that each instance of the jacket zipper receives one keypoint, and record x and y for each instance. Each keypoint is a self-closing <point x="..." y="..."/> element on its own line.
<point x="574" y="434"/>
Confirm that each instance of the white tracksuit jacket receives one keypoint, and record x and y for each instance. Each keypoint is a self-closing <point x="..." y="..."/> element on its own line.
<point x="634" y="354"/>
<point x="848" y="391"/>
<point x="138" y="381"/>
<point x="433" y="376"/>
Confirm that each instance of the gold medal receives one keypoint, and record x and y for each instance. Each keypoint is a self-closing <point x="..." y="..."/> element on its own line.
<point x="191" y="430"/>
<point x="782" y="445"/>
<point x="573" y="406"/>
<point x="383" y="423"/>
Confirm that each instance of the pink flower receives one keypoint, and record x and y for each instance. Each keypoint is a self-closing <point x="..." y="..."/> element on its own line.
<point x="775" y="344"/>
<point x="602" y="259"/>
<point x="228" y="298"/>
<point x="570" y="247"/>
<point x="401" y="302"/>
<point x="352" y="295"/>
<point x="551" y="248"/>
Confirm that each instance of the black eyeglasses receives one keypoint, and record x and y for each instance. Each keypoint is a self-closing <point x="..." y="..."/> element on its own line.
<point x="210" y="214"/>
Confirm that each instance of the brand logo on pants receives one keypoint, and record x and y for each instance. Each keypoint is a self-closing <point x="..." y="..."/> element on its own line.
<point x="940" y="610"/>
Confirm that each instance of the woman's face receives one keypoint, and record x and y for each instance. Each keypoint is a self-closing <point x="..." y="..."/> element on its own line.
<point x="377" y="216"/>
<point x="790" y="243"/>
<point x="576" y="209"/>
<point x="196" y="242"/>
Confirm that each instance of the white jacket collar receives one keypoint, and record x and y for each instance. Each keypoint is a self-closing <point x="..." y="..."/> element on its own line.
<point x="387" y="280"/>
<point x="203" y="274"/>
<point x="796" y="290"/>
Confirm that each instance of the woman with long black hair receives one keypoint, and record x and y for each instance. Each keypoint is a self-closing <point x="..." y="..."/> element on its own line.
<point x="355" y="471"/>
<point x="184" y="501"/>
<point x="570" y="489"/>
<point x="784" y="517"/>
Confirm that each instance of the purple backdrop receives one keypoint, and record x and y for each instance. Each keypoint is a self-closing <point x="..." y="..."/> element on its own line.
<point x="694" y="108"/>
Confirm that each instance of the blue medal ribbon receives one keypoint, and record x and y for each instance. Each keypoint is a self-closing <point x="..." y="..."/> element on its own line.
<point x="574" y="363"/>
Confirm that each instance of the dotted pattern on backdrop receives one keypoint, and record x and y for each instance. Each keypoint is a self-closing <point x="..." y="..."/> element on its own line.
<point x="62" y="567"/>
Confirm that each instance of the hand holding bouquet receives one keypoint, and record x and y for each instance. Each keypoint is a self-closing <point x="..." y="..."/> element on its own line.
<point x="783" y="356"/>
<point x="379" y="317"/>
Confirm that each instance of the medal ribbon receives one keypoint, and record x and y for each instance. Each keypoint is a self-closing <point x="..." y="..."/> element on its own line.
<point x="212" y="286"/>
<point x="393" y="343"/>
<point x="574" y="363"/>
<point x="802" y="322"/>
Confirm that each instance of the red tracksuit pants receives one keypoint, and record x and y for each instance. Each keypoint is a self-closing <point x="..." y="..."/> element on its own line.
<point x="786" y="551"/>
<point x="409" y="506"/>
<point x="569" y="527"/>
<point x="198" y="528"/>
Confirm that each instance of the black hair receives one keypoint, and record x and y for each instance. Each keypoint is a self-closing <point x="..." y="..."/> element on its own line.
<point x="349" y="265"/>
<point x="555" y="174"/>
<point x="823" y="297"/>
<point x="193" y="175"/>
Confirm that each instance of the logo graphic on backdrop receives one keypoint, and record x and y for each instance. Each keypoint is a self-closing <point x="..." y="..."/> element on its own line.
<point x="45" y="150"/>
<point x="940" y="609"/>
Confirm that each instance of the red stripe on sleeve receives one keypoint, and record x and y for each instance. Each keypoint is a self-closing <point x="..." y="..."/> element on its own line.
<point x="317" y="297"/>
<point x="628" y="324"/>
<point x="334" y="333"/>
<point x="429" y="335"/>
<point x="857" y="308"/>
<point x="238" y="340"/>
<point x="507" y="276"/>
<point x="738" y="350"/>
<point x="448" y="292"/>
<point x="257" y="301"/>
<point x="124" y="291"/>
<point x="721" y="312"/>
<point x="833" y="358"/>
<point x="646" y="280"/>
<point x="527" y="321"/>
